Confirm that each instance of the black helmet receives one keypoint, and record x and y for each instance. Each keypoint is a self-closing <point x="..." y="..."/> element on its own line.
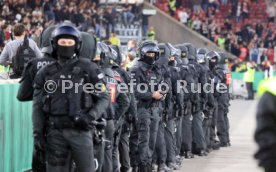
<point x="45" y="40"/>
<point x="164" y="54"/>
<point x="65" y="31"/>
<point x="118" y="59"/>
<point x="88" y="46"/>
<point x="214" y="58"/>
<point x="173" y="51"/>
<point x="148" y="47"/>
<point x="103" y="54"/>
<point x="183" y="53"/>
<point x="201" y="58"/>
<point x="223" y="58"/>
<point x="191" y="51"/>
<point x="202" y="51"/>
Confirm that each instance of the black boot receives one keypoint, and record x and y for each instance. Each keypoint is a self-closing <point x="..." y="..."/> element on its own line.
<point x="189" y="155"/>
<point x="134" y="169"/>
<point x="143" y="168"/>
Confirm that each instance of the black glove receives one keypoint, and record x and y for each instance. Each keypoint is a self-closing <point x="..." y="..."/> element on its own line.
<point x="39" y="142"/>
<point x="82" y="122"/>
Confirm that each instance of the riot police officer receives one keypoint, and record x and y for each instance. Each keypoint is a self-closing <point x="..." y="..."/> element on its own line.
<point x="130" y="117"/>
<point x="198" y="104"/>
<point x="209" y="107"/>
<point x="117" y="108"/>
<point x="176" y="106"/>
<point x="25" y="92"/>
<point x="144" y="73"/>
<point x="184" y="126"/>
<point x="224" y="102"/>
<point x="218" y="77"/>
<point x="161" y="146"/>
<point x="63" y="114"/>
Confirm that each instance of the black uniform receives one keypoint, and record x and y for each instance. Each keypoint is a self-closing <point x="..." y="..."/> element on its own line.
<point x="221" y="101"/>
<point x="62" y="115"/>
<point x="265" y="132"/>
<point x="184" y="124"/>
<point x="148" y="109"/>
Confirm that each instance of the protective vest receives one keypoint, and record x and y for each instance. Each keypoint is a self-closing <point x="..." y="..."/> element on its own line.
<point x="65" y="101"/>
<point x="241" y="68"/>
<point x="151" y="35"/>
<point x="221" y="42"/>
<point x="267" y="85"/>
<point x="249" y="75"/>
<point x="4" y="72"/>
<point x="172" y="5"/>
<point x="114" y="41"/>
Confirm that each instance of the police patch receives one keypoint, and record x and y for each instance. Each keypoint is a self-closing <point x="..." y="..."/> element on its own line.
<point x="101" y="76"/>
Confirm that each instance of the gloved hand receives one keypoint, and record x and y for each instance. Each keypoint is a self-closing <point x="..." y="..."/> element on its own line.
<point x="39" y="142"/>
<point x="82" y="122"/>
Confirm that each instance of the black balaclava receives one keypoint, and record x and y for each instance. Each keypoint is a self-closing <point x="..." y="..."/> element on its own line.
<point x="66" y="52"/>
<point x="172" y="63"/>
<point x="149" y="60"/>
<point x="213" y="64"/>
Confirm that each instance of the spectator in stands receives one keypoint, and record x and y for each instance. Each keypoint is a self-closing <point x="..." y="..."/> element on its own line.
<point x="196" y="25"/>
<point x="129" y="62"/>
<point x="271" y="12"/>
<point x="267" y="68"/>
<point x="196" y="6"/>
<point x="183" y="16"/>
<point x="145" y="23"/>
<point x="205" y="4"/>
<point x="224" y="2"/>
<point x="243" y="52"/>
<point x="2" y="35"/>
<point x="253" y="52"/>
<point x="36" y="35"/>
<point x="48" y="10"/>
<point x="109" y="16"/>
<point x="128" y="16"/>
<point x="10" y="49"/>
<point x="221" y="41"/>
<point x="238" y="12"/>
<point x="259" y="29"/>
<point x="114" y="39"/>
<point x="204" y="28"/>
<point x="172" y="7"/>
<point x="151" y="34"/>
<point x="245" y="9"/>
<point x="132" y="46"/>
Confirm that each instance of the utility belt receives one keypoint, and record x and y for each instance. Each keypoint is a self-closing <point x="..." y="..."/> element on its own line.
<point x="60" y="122"/>
<point x="148" y="104"/>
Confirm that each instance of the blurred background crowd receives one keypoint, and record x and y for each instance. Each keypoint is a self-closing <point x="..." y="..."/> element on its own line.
<point x="246" y="28"/>
<point x="87" y="15"/>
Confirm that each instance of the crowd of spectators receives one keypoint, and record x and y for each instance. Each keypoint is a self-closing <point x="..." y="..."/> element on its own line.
<point x="248" y="33"/>
<point x="87" y="15"/>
